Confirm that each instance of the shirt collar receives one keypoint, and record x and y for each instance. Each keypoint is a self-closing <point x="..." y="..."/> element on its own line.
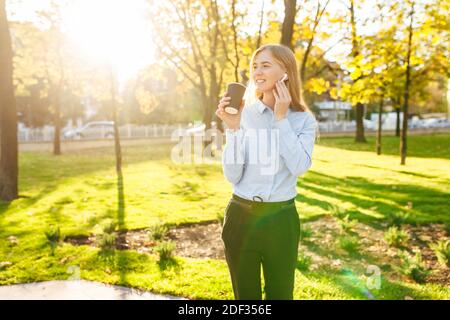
<point x="261" y="107"/>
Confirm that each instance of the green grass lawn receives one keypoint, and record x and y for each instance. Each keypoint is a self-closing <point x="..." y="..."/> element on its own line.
<point x="79" y="190"/>
<point x="423" y="146"/>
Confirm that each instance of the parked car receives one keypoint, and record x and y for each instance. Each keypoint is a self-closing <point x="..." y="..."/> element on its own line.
<point x="441" y="123"/>
<point x="92" y="130"/>
<point x="416" y="123"/>
<point x="430" y="123"/>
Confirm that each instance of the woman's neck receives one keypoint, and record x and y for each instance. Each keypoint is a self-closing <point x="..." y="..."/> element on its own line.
<point x="269" y="99"/>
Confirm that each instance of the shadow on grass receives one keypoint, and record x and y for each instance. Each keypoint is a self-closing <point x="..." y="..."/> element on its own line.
<point x="25" y="200"/>
<point x="420" y="175"/>
<point x="117" y="259"/>
<point x="355" y="285"/>
<point x="53" y="170"/>
<point x="121" y="259"/>
<point x="384" y="199"/>
<point x="169" y="264"/>
<point x="3" y="207"/>
<point x="22" y="202"/>
<point x="422" y="146"/>
<point x="356" y="255"/>
<point x="108" y="256"/>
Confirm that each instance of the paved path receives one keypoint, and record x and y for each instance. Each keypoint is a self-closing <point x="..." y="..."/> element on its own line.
<point x="75" y="290"/>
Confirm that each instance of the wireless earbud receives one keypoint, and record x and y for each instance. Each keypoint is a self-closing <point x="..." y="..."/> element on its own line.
<point x="285" y="77"/>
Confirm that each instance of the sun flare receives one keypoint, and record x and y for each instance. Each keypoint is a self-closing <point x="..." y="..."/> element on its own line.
<point x="112" y="30"/>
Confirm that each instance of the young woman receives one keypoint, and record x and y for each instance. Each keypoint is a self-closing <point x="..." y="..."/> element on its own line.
<point x="261" y="223"/>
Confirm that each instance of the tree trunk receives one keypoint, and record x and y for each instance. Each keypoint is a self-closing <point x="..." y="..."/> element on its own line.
<point x="258" y="41"/>
<point x="117" y="147"/>
<point x="360" y="123"/>
<point x="58" y="102"/>
<point x="380" y="113"/>
<point x="403" y="141"/>
<point x="309" y="47"/>
<point x="287" y="30"/>
<point x="235" y="41"/>
<point x="214" y="101"/>
<point x="397" y="124"/>
<point x="207" y="114"/>
<point x="9" y="168"/>
<point x="57" y="125"/>
<point x="304" y="61"/>
<point x="355" y="52"/>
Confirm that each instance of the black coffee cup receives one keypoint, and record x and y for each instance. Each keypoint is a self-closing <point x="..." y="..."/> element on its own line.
<point x="236" y="91"/>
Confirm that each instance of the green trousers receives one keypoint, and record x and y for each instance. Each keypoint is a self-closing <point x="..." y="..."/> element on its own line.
<point x="263" y="234"/>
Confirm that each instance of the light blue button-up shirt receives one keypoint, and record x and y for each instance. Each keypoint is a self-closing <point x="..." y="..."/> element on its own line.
<point x="265" y="156"/>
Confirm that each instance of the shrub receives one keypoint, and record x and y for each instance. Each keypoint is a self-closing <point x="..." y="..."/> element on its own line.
<point x="447" y="228"/>
<point x="442" y="251"/>
<point x="396" y="237"/>
<point x="53" y="234"/>
<point x="398" y="218"/>
<point x="54" y="237"/>
<point x="337" y="212"/>
<point x="346" y="224"/>
<point x="413" y="266"/>
<point x="109" y="226"/>
<point x="165" y="250"/>
<point x="349" y="244"/>
<point x="303" y="262"/>
<point x="305" y="232"/>
<point x="157" y="232"/>
<point x="106" y="241"/>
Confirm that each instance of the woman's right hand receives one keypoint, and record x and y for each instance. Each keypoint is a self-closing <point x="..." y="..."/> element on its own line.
<point x="232" y="121"/>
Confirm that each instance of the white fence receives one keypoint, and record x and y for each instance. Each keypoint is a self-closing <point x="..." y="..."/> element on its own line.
<point x="165" y="131"/>
<point x="46" y="133"/>
<point x="340" y="126"/>
<point x="371" y="126"/>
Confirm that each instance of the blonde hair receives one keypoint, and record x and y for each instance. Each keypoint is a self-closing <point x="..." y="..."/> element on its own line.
<point x="285" y="57"/>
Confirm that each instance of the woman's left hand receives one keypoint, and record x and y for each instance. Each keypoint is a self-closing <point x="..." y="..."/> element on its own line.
<point x="282" y="100"/>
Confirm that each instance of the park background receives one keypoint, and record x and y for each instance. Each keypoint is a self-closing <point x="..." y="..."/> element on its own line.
<point x="92" y="91"/>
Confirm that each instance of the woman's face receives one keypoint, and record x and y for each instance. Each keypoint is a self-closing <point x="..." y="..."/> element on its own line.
<point x="266" y="71"/>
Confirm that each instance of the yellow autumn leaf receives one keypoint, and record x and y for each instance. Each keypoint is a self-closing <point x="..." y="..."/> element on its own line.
<point x="317" y="85"/>
<point x="146" y="100"/>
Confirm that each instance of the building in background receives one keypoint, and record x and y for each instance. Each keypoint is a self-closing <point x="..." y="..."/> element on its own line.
<point x="334" y="110"/>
